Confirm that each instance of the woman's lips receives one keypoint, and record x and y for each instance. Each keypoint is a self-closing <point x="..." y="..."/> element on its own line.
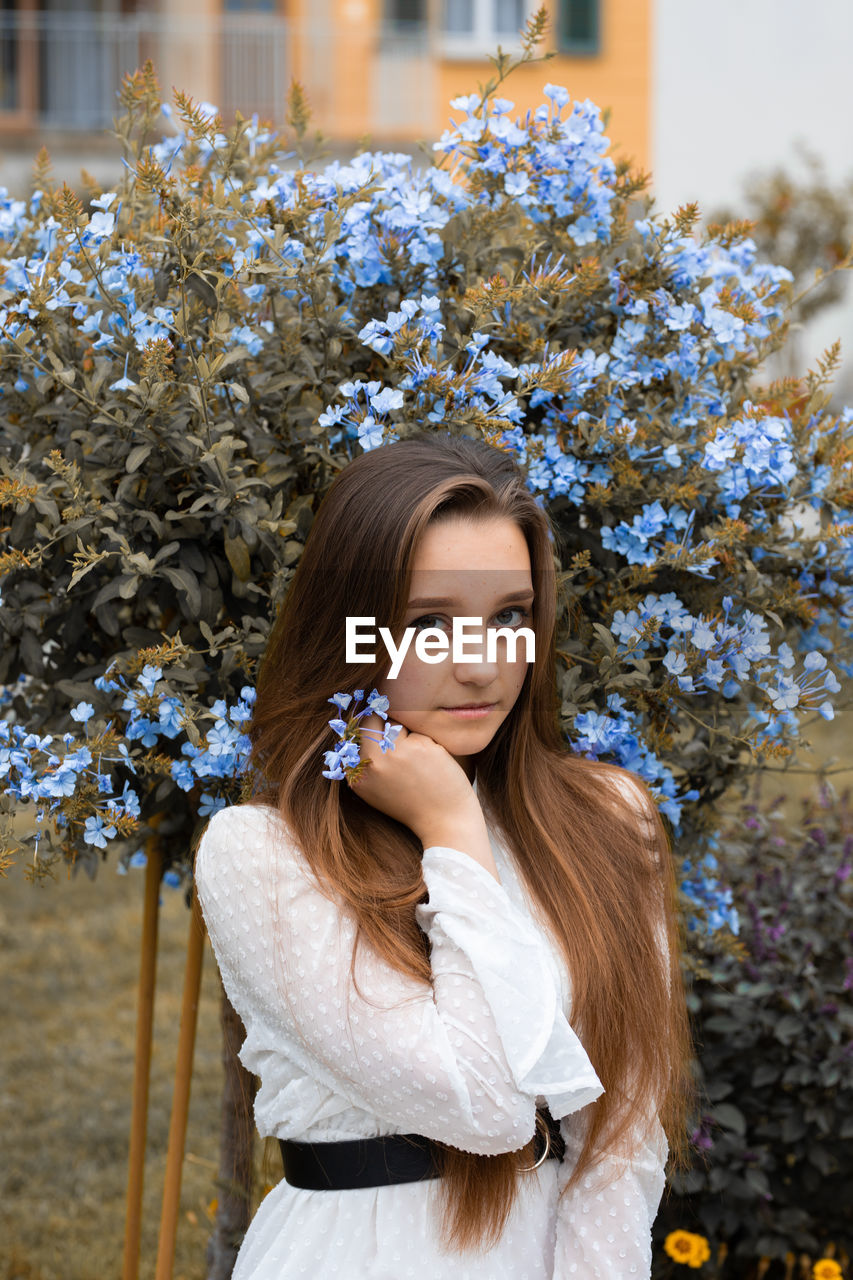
<point x="470" y="713"/>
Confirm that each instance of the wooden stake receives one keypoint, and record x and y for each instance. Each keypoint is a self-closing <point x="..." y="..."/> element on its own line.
<point x="181" y="1095"/>
<point x="142" y="1063"/>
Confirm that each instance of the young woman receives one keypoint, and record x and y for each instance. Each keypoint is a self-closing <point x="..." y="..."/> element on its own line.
<point x="458" y="975"/>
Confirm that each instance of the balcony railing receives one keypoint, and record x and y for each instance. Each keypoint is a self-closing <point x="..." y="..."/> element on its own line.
<point x="63" y="70"/>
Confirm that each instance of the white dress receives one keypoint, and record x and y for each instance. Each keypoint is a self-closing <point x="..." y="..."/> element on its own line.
<point x="464" y="1063"/>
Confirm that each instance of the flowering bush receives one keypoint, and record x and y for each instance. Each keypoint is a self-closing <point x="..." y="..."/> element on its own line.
<point x="80" y="787"/>
<point x="187" y="362"/>
<point x="799" y="217"/>
<point x="772" y="1173"/>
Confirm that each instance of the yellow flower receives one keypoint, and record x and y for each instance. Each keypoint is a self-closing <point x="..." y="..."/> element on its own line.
<point x="691" y="1250"/>
<point x="702" y="1251"/>
<point x="826" y="1269"/>
<point x="679" y="1245"/>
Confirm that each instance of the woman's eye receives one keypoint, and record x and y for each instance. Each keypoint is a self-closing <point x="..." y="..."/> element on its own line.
<point x="516" y="608"/>
<point x="428" y="617"/>
<point x="433" y="618"/>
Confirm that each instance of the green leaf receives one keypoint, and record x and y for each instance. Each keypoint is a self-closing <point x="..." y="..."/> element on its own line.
<point x="788" y="1027"/>
<point x="238" y="557"/>
<point x="137" y="456"/>
<point x="239" y="392"/>
<point x="186" y="584"/>
<point x="606" y="637"/>
<point x="730" y="1117"/>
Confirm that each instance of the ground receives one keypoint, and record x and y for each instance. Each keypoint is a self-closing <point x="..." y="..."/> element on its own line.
<point x="70" y="958"/>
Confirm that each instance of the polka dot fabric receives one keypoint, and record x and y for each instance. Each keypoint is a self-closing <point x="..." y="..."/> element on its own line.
<point x="465" y="1062"/>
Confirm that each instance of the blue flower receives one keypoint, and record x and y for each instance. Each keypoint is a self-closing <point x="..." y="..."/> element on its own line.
<point x="558" y="95"/>
<point x="221" y="738"/>
<point x="675" y="663"/>
<point x="150" y="676"/>
<point x="516" y="183"/>
<point x="170" y="714"/>
<point x="370" y="434"/>
<point x="387" y="399"/>
<point x="101" y="226"/>
<point x="96" y="833"/>
<point x="60" y="783"/>
<point x="124" y="383"/>
<point x="183" y="775"/>
<point x="702" y="636"/>
<point x="378" y="704"/>
<point x="210" y="804"/>
<point x="242" y="335"/>
<point x="82" y="712"/>
<point x="131" y="801"/>
<point x="144" y="730"/>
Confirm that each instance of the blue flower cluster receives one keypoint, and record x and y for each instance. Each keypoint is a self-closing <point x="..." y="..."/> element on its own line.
<point x="730" y="652"/>
<point x="90" y="774"/>
<point x="226" y="754"/>
<point x="552" y="164"/>
<point x="617" y="732"/>
<point x="344" y="760"/>
<point x="752" y="453"/>
<point x="644" y="539"/>
<point x="49" y="771"/>
<point x="702" y="885"/>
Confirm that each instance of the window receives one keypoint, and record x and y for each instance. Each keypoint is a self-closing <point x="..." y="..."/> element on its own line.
<point x="579" y="27"/>
<point x="471" y="28"/>
<point x="405" y="19"/>
<point x="402" y="12"/>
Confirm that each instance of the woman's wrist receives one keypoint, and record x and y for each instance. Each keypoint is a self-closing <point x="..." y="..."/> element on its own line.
<point x="467" y="836"/>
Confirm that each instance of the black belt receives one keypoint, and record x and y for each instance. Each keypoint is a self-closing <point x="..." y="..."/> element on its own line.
<point x="387" y="1161"/>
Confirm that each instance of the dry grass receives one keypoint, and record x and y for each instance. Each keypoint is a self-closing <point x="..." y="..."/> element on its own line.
<point x="70" y="956"/>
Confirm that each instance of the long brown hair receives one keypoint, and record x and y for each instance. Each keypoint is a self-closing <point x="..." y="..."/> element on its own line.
<point x="602" y="877"/>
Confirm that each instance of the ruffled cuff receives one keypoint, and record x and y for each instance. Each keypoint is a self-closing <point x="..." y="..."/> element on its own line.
<point x="469" y="911"/>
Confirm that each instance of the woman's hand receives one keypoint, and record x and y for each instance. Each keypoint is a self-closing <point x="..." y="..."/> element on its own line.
<point x="418" y="783"/>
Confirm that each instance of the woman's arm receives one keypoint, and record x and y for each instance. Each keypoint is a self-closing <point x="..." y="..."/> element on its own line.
<point x="462" y="1062"/>
<point x="604" y="1225"/>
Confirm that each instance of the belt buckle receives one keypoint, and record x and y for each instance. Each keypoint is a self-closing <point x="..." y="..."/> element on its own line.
<point x="542" y="1126"/>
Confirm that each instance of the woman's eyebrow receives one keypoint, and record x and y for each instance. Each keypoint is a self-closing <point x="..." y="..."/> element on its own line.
<point x="434" y="602"/>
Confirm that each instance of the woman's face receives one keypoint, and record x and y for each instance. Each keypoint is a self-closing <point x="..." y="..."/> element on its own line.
<point x="477" y="569"/>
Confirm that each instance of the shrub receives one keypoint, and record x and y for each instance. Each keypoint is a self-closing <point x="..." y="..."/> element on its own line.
<point x="799" y="218"/>
<point x="772" y="1173"/>
<point x="189" y="360"/>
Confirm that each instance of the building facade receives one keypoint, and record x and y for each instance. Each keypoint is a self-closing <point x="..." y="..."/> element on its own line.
<point x="384" y="69"/>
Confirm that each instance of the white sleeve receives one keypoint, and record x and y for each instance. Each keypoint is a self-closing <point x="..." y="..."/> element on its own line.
<point x="462" y="1062"/>
<point x="604" y="1225"/>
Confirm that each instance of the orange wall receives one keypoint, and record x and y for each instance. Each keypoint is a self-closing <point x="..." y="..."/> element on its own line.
<point x="336" y="50"/>
<point x="332" y="55"/>
<point x="618" y="77"/>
